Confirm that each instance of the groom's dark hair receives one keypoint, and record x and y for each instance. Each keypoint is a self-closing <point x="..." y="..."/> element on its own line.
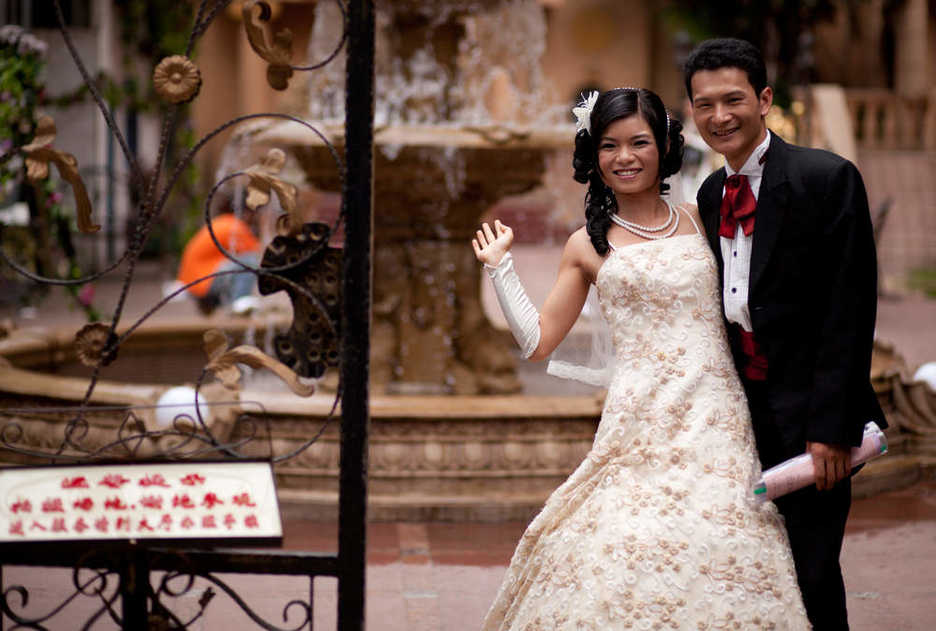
<point x="727" y="52"/>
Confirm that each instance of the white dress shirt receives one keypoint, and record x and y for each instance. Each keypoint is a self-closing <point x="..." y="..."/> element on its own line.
<point x="736" y="253"/>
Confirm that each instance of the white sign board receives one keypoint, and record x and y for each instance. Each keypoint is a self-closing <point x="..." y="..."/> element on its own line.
<point x="175" y="501"/>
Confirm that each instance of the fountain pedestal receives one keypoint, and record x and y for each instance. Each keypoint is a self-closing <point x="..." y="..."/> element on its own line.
<point x="432" y="184"/>
<point x="460" y="104"/>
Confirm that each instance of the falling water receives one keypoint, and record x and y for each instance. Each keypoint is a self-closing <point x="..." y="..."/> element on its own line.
<point x="421" y="79"/>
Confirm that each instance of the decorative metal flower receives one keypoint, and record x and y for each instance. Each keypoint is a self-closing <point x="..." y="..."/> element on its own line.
<point x="278" y="53"/>
<point x="90" y="343"/>
<point x="223" y="363"/>
<point x="263" y="179"/>
<point x="39" y="153"/>
<point x="177" y="79"/>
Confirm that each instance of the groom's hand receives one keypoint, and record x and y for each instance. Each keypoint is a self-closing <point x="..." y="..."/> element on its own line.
<point x="832" y="463"/>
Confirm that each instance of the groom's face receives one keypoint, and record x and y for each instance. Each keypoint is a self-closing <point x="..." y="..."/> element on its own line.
<point x="728" y="113"/>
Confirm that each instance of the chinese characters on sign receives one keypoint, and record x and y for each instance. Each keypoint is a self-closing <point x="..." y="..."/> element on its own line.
<point x="213" y="500"/>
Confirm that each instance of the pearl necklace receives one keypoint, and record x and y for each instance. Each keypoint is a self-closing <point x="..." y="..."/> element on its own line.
<point x="650" y="232"/>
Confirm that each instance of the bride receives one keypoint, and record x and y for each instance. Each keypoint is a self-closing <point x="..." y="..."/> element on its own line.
<point x="658" y="527"/>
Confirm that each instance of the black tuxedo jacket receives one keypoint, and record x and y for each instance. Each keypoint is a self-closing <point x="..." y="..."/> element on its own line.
<point x="812" y="294"/>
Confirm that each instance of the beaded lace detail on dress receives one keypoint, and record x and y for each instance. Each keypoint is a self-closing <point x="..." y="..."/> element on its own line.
<point x="658" y="528"/>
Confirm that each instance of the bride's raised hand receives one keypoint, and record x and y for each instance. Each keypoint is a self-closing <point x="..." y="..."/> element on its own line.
<point x="489" y="245"/>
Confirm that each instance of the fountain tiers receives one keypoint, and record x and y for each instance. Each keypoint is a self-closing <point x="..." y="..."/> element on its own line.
<point x="433" y="184"/>
<point x="463" y="117"/>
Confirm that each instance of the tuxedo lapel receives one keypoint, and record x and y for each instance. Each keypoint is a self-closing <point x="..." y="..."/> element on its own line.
<point x="772" y="205"/>
<point x="710" y="206"/>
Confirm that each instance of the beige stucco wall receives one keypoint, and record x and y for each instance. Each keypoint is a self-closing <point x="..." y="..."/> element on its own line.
<point x="234" y="76"/>
<point x="218" y="99"/>
<point x="600" y="43"/>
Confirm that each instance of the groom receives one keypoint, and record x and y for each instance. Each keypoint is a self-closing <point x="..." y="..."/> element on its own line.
<point x="792" y="234"/>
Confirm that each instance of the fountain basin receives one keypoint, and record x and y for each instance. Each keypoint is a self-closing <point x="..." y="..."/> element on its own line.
<point x="460" y="458"/>
<point x="488" y="458"/>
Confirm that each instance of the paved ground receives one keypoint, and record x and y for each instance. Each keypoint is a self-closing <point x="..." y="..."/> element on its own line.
<point x="441" y="577"/>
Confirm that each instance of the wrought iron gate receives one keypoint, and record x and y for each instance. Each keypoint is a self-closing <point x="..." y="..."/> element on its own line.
<point x="136" y="585"/>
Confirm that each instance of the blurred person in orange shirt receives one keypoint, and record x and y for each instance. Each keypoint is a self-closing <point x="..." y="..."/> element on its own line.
<point x="202" y="257"/>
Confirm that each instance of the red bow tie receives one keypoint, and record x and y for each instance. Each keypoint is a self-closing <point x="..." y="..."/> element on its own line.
<point x="737" y="206"/>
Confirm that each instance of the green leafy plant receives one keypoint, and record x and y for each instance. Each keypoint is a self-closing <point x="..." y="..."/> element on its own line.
<point x="21" y="94"/>
<point x="21" y="62"/>
<point x="923" y="279"/>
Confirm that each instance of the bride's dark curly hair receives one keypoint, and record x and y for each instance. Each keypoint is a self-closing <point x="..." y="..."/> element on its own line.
<point x="611" y="106"/>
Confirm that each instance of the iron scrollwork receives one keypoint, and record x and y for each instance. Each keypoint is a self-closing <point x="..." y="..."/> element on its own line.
<point x="299" y="261"/>
<point x="311" y="344"/>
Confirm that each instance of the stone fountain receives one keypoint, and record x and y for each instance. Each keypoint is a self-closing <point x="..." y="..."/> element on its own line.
<point x="462" y="121"/>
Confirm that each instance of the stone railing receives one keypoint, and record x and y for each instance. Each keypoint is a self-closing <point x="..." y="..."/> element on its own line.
<point x="884" y="120"/>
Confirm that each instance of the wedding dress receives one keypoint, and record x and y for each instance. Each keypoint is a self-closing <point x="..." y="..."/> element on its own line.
<point x="658" y="527"/>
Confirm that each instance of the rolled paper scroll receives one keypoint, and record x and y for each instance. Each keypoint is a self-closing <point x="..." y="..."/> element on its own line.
<point x="796" y="473"/>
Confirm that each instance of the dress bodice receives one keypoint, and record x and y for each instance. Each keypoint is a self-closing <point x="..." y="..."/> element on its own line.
<point x="660" y="294"/>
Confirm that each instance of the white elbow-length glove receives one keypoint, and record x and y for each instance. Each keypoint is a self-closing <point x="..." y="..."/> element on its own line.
<point x="522" y="317"/>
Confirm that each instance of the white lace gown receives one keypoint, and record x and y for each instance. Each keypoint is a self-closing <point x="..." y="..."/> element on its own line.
<point x="657" y="528"/>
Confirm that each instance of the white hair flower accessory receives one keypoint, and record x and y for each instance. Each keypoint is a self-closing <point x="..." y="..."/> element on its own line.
<point x="583" y="111"/>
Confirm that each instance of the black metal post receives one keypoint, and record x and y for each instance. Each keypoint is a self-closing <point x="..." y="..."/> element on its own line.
<point x="311" y="603"/>
<point x="134" y="584"/>
<point x="355" y="313"/>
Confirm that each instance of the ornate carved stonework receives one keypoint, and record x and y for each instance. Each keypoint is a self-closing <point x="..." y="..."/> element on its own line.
<point x="445" y="457"/>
